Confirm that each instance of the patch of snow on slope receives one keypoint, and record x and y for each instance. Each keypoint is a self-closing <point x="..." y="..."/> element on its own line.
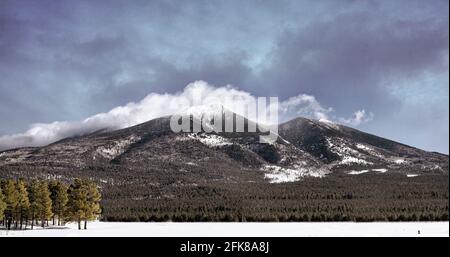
<point x="210" y="140"/>
<point x="330" y="143"/>
<point x="363" y="147"/>
<point x="277" y="174"/>
<point x="348" y="155"/>
<point x="399" y="161"/>
<point x="431" y="167"/>
<point x="370" y="150"/>
<point x="110" y="152"/>
<point x="412" y="175"/>
<point x="352" y="160"/>
<point x="380" y="170"/>
<point x="357" y="172"/>
<point x="340" y="148"/>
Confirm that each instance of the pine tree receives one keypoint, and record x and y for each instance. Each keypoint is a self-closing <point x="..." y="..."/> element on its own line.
<point x="23" y="205"/>
<point x="77" y="204"/>
<point x="59" y="198"/>
<point x="52" y="186"/>
<point x="11" y="200"/>
<point x="41" y="203"/>
<point x="93" y="202"/>
<point x="44" y="202"/>
<point x="33" y="192"/>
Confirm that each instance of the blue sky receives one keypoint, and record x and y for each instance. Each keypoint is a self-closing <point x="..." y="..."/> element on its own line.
<point x="68" y="60"/>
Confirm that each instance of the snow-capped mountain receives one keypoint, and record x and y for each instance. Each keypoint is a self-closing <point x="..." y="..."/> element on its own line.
<point x="344" y="148"/>
<point x="305" y="148"/>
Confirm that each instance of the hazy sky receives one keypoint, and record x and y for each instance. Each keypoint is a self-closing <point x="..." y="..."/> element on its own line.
<point x="69" y="60"/>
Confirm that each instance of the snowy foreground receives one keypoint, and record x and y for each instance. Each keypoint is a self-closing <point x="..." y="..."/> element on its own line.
<point x="169" y="229"/>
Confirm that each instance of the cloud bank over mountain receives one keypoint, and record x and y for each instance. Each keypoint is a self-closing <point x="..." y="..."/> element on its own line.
<point x="156" y="105"/>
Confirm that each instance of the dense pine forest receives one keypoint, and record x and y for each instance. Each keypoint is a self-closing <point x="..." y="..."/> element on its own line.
<point x="26" y="204"/>
<point x="159" y="195"/>
<point x="366" y="197"/>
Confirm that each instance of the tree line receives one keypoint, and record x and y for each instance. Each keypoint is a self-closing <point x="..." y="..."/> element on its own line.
<point x="24" y="204"/>
<point x="334" y="198"/>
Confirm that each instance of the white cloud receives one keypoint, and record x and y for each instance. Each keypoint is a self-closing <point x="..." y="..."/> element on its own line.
<point x="358" y="117"/>
<point x="158" y="105"/>
<point x="305" y="106"/>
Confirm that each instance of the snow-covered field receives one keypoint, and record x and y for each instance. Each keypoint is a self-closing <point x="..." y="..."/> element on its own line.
<point x="169" y="229"/>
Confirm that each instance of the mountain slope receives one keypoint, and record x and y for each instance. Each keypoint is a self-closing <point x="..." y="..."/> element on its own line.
<point x="305" y="148"/>
<point x="342" y="147"/>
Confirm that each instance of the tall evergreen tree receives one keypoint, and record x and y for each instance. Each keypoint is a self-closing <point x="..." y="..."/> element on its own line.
<point x="44" y="202"/>
<point x="59" y="196"/>
<point x="23" y="203"/>
<point x="53" y="194"/>
<point x="33" y="192"/>
<point x="11" y="200"/>
<point x="93" y="202"/>
<point x="77" y="204"/>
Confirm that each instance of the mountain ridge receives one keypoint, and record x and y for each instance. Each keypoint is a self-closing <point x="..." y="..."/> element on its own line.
<point x="305" y="147"/>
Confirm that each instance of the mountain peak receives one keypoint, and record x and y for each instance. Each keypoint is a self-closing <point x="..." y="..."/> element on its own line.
<point x="204" y="110"/>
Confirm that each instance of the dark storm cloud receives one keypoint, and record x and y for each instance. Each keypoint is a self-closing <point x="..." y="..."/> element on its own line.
<point x="67" y="60"/>
<point x="350" y="56"/>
